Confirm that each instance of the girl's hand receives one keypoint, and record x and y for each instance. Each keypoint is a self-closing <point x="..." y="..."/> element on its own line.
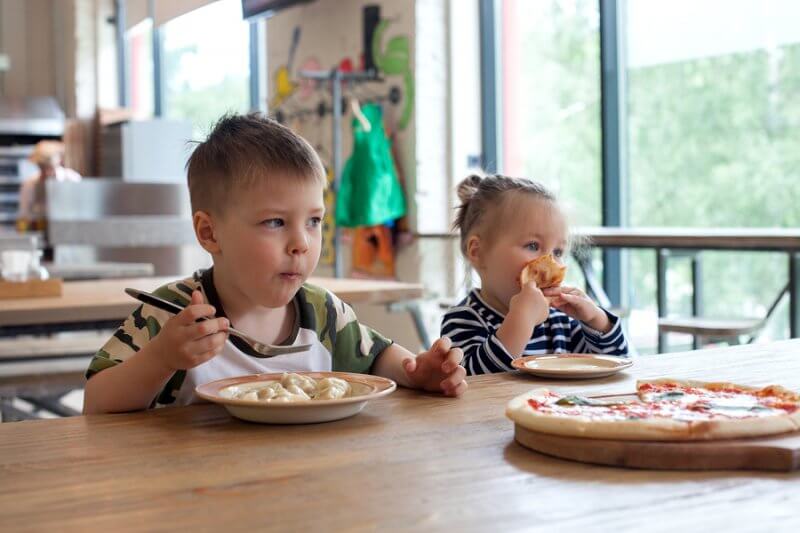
<point x="576" y="304"/>
<point x="184" y="343"/>
<point x="531" y="303"/>
<point x="438" y="369"/>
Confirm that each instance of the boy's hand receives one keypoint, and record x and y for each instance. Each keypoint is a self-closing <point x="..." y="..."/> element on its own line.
<point x="531" y="303"/>
<point x="576" y="304"/>
<point x="438" y="369"/>
<point x="184" y="343"/>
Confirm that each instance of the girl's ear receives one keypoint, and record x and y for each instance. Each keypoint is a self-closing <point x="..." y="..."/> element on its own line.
<point x="204" y="230"/>
<point x="473" y="249"/>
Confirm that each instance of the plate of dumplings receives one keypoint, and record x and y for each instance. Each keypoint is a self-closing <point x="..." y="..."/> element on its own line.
<point x="296" y="397"/>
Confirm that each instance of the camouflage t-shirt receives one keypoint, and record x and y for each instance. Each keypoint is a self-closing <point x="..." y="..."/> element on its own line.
<point x="339" y="342"/>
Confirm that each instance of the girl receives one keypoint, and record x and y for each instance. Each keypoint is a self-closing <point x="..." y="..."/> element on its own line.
<point x="504" y="223"/>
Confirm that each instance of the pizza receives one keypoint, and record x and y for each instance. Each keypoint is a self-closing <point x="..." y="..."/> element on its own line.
<point x="544" y="271"/>
<point x="663" y="409"/>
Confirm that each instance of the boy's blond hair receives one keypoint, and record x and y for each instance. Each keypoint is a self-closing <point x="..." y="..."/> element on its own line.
<point x="242" y="150"/>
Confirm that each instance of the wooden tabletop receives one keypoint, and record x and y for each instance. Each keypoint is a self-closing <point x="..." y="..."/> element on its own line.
<point x="411" y="461"/>
<point x="87" y="301"/>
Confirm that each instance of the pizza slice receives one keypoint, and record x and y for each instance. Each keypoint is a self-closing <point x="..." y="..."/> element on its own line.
<point x="545" y="271"/>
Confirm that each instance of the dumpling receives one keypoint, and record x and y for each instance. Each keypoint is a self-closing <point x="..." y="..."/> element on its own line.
<point x="295" y="390"/>
<point x="295" y="395"/>
<point x="306" y="383"/>
<point x="332" y="389"/>
<point x="269" y="391"/>
<point x="291" y="388"/>
<point x="250" y="395"/>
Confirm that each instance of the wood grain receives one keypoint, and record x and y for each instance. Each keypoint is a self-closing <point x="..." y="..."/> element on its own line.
<point x="779" y="453"/>
<point x="34" y="288"/>
<point x="408" y="461"/>
<point x="762" y="239"/>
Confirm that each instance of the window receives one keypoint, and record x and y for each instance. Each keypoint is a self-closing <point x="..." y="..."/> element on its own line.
<point x="206" y="70"/>
<point x="714" y="125"/>
<point x="549" y="91"/>
<point x="140" y="60"/>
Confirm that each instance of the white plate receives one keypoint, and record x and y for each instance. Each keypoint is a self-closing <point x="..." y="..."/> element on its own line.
<point x="366" y="387"/>
<point x="571" y="365"/>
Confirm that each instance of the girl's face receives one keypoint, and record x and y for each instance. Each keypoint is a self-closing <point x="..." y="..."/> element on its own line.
<point x="524" y="229"/>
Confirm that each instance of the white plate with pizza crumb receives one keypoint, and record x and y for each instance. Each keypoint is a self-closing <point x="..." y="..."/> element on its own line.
<point x="571" y="365"/>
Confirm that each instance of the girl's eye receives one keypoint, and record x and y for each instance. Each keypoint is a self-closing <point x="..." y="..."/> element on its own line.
<point x="273" y="223"/>
<point x="314" y="222"/>
<point x="532" y="246"/>
<point x="558" y="252"/>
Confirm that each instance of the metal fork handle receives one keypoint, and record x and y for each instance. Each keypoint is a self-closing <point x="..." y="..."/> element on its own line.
<point x="271" y="348"/>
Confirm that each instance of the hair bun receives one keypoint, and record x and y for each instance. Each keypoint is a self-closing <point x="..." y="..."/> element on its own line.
<point x="468" y="187"/>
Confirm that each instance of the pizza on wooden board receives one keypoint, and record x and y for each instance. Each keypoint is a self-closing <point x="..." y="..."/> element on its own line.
<point x="662" y="410"/>
<point x="545" y="271"/>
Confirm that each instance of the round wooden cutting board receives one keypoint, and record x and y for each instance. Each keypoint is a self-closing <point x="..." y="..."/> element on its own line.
<point x="776" y="453"/>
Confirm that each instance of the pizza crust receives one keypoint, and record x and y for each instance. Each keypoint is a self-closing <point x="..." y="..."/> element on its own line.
<point x="545" y="271"/>
<point x="743" y="428"/>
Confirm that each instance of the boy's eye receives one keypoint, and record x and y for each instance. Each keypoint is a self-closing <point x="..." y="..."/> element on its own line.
<point x="273" y="223"/>
<point x="314" y="221"/>
<point x="532" y="246"/>
<point x="558" y="252"/>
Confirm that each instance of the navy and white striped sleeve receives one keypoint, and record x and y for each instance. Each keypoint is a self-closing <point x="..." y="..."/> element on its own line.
<point x="584" y="339"/>
<point x="483" y="351"/>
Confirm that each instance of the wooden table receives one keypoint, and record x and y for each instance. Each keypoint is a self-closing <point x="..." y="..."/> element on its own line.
<point x="755" y="239"/>
<point x="412" y="461"/>
<point x="732" y="239"/>
<point x="106" y="301"/>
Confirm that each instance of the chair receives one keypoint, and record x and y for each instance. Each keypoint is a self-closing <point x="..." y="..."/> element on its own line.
<point x="702" y="329"/>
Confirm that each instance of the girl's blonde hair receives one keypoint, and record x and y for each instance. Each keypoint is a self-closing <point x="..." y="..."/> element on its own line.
<point x="479" y="194"/>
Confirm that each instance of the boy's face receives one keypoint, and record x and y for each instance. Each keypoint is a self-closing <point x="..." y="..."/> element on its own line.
<point x="532" y="228"/>
<point x="270" y="238"/>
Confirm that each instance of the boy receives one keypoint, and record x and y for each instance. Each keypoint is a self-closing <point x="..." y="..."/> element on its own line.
<point x="256" y="192"/>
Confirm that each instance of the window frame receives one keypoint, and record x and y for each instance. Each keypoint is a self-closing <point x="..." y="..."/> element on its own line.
<point x="614" y="156"/>
<point x="256" y="55"/>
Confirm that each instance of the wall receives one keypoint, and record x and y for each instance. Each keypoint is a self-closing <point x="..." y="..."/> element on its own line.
<point x="330" y="33"/>
<point x="431" y="153"/>
<point x="27" y="36"/>
<point x="60" y="48"/>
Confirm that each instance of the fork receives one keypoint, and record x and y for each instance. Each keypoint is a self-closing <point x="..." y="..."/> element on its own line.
<point x="263" y="349"/>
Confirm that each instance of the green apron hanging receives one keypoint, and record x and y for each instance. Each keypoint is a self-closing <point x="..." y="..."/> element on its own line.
<point x="369" y="193"/>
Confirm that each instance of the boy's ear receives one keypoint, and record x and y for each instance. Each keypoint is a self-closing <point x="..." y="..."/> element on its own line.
<point x="204" y="231"/>
<point x="473" y="250"/>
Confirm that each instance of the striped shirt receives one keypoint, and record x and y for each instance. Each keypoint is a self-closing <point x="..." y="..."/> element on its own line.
<point x="472" y="326"/>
